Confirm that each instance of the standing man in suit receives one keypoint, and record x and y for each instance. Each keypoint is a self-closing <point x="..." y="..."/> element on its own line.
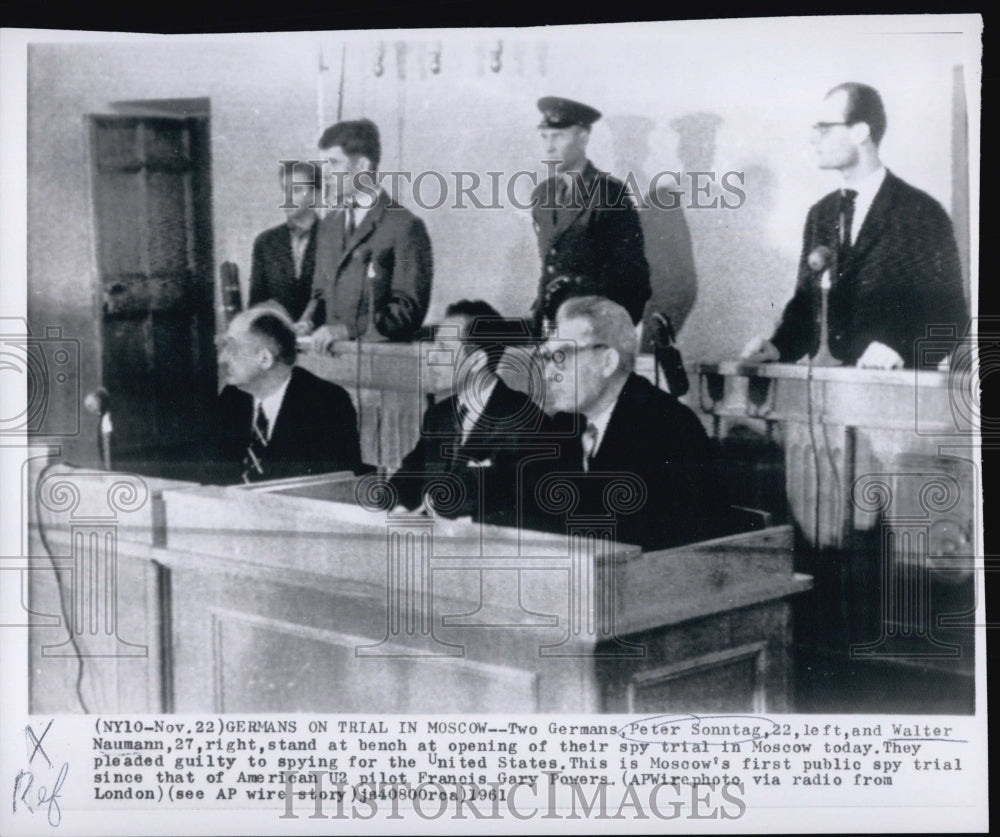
<point x="373" y="257"/>
<point x="897" y="267"/>
<point x="589" y="237"/>
<point x="628" y="427"/>
<point x="279" y="420"/>
<point x="472" y="436"/>
<point x="284" y="257"/>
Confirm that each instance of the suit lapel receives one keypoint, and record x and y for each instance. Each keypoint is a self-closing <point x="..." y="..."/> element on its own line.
<point x="285" y="418"/>
<point x="373" y="217"/>
<point x="309" y="259"/>
<point x="620" y="428"/>
<point x="875" y="220"/>
<point x="583" y="192"/>
<point x="284" y="255"/>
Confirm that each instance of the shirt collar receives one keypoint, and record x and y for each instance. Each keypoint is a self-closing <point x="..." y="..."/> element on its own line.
<point x="302" y="227"/>
<point x="867" y="186"/>
<point x="603" y="418"/>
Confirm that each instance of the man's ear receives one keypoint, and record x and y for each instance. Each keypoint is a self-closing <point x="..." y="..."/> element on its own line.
<point x="860" y="132"/>
<point x="611" y="362"/>
<point x="265" y="358"/>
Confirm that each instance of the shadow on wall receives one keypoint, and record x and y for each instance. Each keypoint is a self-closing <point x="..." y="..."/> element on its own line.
<point x="728" y="222"/>
<point x="665" y="230"/>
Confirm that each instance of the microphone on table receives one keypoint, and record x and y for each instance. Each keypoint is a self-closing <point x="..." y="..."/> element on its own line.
<point x="668" y="356"/>
<point x="823" y="261"/>
<point x="232" y="301"/>
<point x="98" y="402"/>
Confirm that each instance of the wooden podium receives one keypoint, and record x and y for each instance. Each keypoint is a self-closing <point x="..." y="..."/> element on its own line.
<point x="881" y="472"/>
<point x="306" y="595"/>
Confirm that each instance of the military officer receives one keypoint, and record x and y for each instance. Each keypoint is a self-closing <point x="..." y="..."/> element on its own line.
<point x="589" y="237"/>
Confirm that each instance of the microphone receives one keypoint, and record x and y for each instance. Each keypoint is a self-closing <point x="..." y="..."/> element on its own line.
<point x="232" y="302"/>
<point x="822" y="260"/>
<point x="668" y="356"/>
<point x="98" y="402"/>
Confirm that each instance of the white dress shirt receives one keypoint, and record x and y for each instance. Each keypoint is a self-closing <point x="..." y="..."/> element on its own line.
<point x="272" y="406"/>
<point x="474" y="407"/>
<point x="867" y="187"/>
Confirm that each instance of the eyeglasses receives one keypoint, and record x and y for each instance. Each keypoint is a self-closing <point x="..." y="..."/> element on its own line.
<point x="559" y="356"/>
<point x="823" y="128"/>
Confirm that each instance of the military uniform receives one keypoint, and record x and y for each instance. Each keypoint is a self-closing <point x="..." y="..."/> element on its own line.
<point x="589" y="237"/>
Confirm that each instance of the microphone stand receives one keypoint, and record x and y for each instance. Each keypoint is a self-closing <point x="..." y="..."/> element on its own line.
<point x="823" y="356"/>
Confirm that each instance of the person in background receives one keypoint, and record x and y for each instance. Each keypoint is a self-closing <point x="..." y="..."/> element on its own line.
<point x="589" y="236"/>
<point x="284" y="256"/>
<point x="374" y="266"/>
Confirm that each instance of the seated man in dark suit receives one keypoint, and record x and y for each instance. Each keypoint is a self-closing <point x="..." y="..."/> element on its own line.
<point x="470" y="442"/>
<point x="278" y="419"/>
<point x="284" y="256"/>
<point x="628" y="429"/>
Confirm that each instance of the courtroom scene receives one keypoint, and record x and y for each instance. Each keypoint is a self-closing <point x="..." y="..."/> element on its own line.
<point x="500" y="372"/>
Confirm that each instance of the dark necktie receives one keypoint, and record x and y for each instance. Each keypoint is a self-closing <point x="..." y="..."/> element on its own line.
<point x="463" y="413"/>
<point x="589" y="445"/>
<point x="563" y="194"/>
<point x="351" y="225"/>
<point x="253" y="462"/>
<point x="300" y="243"/>
<point x="846" y="217"/>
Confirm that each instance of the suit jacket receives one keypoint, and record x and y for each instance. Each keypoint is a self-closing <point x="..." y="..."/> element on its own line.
<point x="651" y="436"/>
<point x="485" y="465"/>
<point x="272" y="271"/>
<point x="316" y="430"/>
<point x="597" y="240"/>
<point x="902" y="274"/>
<point x="392" y="243"/>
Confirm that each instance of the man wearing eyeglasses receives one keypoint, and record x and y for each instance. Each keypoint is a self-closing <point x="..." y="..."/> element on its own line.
<point x="627" y="426"/>
<point x="897" y="268"/>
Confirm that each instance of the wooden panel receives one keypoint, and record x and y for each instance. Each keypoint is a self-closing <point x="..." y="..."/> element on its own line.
<point x="154" y="259"/>
<point x="271" y="665"/>
<point x="121" y="236"/>
<point x="725" y="681"/>
<point x="169" y="221"/>
<point x="166" y="144"/>
<point x="97" y="529"/>
<point x="116" y="144"/>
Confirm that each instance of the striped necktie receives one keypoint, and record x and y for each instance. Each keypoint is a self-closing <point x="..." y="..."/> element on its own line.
<point x="589" y="445"/>
<point x="253" y="462"/>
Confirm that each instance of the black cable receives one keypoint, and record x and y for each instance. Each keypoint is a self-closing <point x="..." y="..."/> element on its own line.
<point x="62" y="599"/>
<point x="815" y="450"/>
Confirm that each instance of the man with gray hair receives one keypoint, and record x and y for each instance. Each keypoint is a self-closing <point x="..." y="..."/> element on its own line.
<point x="627" y="426"/>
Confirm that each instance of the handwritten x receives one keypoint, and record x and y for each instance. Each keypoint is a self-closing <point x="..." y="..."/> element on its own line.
<point x="29" y="734"/>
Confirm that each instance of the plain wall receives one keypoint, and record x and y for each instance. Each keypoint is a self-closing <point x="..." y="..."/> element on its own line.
<point x="717" y="96"/>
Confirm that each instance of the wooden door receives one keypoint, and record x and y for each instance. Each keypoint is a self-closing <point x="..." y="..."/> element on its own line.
<point x="152" y="207"/>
